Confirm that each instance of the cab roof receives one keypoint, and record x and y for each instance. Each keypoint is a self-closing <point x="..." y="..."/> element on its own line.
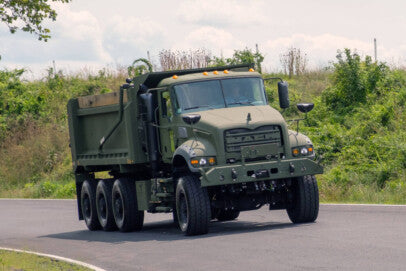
<point x="206" y="76"/>
<point x="153" y="80"/>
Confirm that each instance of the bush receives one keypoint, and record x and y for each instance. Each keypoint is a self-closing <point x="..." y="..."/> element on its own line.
<point x="352" y="80"/>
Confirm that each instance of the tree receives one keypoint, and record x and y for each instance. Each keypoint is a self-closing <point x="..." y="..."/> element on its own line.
<point x="134" y="70"/>
<point x="28" y="16"/>
<point x="294" y="61"/>
<point x="245" y="56"/>
<point x="179" y="60"/>
<point x="352" y="80"/>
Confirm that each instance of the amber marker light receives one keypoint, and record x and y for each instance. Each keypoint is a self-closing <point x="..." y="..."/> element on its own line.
<point x="175" y="77"/>
<point x="205" y="73"/>
<point x="194" y="162"/>
<point x="225" y="71"/>
<point x="251" y="70"/>
<point x="215" y="72"/>
<point x="295" y="152"/>
<point x="212" y="161"/>
<point x="310" y="149"/>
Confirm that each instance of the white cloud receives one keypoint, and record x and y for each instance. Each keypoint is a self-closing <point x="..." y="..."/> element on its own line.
<point x="81" y="30"/>
<point x="128" y="38"/>
<point x="216" y="40"/>
<point x="222" y="13"/>
<point x="321" y="49"/>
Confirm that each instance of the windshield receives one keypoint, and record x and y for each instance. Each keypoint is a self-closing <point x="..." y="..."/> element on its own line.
<point x="205" y="95"/>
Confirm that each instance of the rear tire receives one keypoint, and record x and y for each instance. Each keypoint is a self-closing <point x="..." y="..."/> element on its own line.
<point x="305" y="205"/>
<point x="227" y="215"/>
<point x="88" y="203"/>
<point x="104" y="205"/>
<point x="125" y="208"/>
<point x="192" y="206"/>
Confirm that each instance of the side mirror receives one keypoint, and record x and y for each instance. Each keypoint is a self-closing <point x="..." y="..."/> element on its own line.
<point x="191" y="119"/>
<point x="283" y="93"/>
<point x="305" y="107"/>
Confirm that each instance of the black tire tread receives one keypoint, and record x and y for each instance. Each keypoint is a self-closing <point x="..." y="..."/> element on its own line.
<point x="108" y="187"/>
<point x="90" y="188"/>
<point x="134" y="219"/>
<point x="306" y="202"/>
<point x="199" y="206"/>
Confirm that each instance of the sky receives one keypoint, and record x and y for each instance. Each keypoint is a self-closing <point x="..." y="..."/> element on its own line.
<point x="92" y="34"/>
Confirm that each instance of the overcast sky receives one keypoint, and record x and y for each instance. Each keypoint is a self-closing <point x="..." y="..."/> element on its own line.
<point x="91" y="34"/>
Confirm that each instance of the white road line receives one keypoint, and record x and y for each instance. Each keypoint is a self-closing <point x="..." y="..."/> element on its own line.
<point x="363" y="204"/>
<point x="56" y="258"/>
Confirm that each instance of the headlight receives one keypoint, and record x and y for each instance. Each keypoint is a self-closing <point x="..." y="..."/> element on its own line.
<point x="302" y="150"/>
<point x="203" y="161"/>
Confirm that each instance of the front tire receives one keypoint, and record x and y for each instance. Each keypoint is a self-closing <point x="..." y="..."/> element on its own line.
<point x="305" y="205"/>
<point x="125" y="208"/>
<point x="88" y="203"/>
<point x="192" y="206"/>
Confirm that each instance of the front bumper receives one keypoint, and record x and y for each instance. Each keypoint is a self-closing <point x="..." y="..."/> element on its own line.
<point x="258" y="171"/>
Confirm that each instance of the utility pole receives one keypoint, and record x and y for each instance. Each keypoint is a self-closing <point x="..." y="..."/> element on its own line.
<point x="375" y="50"/>
<point x="257" y="53"/>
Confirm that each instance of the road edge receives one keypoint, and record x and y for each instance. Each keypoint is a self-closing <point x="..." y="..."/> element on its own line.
<point x="56" y="257"/>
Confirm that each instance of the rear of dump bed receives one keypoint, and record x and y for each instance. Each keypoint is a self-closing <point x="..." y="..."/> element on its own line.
<point x="101" y="137"/>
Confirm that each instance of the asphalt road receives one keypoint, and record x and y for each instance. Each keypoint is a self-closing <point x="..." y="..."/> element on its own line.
<point x="343" y="238"/>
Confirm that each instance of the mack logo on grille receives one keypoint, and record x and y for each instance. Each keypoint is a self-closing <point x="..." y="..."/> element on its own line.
<point x="237" y="138"/>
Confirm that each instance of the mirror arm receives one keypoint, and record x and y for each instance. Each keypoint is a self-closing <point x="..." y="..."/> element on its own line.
<point x="273" y="78"/>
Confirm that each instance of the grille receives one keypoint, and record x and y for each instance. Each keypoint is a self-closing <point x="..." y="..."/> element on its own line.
<point x="236" y="138"/>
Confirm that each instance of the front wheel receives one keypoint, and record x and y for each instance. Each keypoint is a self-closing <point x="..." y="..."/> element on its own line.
<point x="192" y="206"/>
<point x="305" y="205"/>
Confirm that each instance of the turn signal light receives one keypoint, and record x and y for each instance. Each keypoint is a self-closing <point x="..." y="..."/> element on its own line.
<point x="310" y="149"/>
<point x="225" y="71"/>
<point x="194" y="162"/>
<point x="251" y="70"/>
<point x="212" y="161"/>
<point x="175" y="77"/>
<point x="215" y="72"/>
<point x="295" y="152"/>
<point x="205" y="73"/>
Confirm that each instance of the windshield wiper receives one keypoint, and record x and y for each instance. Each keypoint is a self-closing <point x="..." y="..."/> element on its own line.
<point x="197" y="106"/>
<point x="250" y="103"/>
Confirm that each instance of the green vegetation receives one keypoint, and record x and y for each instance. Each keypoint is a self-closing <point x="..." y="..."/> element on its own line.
<point x="358" y="128"/>
<point x="28" y="16"/>
<point x="34" y="146"/>
<point x="10" y="260"/>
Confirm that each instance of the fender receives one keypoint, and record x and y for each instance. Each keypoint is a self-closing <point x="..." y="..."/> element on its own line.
<point x="298" y="139"/>
<point x="194" y="148"/>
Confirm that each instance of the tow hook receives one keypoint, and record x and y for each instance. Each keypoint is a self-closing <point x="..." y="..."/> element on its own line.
<point x="291" y="168"/>
<point x="234" y="174"/>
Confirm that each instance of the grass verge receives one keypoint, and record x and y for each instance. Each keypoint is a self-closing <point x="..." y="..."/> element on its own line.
<point x="11" y="260"/>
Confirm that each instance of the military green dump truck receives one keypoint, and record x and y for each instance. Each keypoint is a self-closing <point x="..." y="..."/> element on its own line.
<point x="203" y="144"/>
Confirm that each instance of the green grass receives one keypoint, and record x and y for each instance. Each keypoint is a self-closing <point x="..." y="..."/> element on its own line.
<point x="12" y="261"/>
